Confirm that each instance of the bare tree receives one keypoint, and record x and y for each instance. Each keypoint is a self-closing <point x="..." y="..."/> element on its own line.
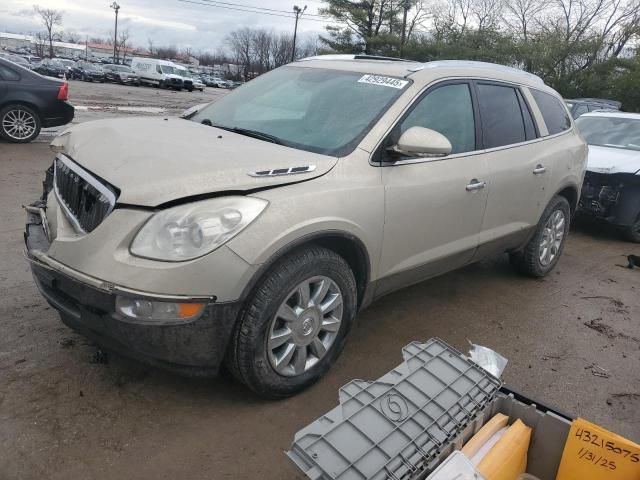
<point x="281" y="49"/>
<point x="261" y="49"/>
<point x="40" y="43"/>
<point x="71" y="37"/>
<point x="240" y="43"/>
<point x="520" y="14"/>
<point x="167" y="52"/>
<point x="486" y="13"/>
<point x="123" y="45"/>
<point x="151" y="46"/>
<point x="50" y="18"/>
<point x="418" y="14"/>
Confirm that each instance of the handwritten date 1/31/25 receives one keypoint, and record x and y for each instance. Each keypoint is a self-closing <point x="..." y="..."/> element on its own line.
<point x="599" y="460"/>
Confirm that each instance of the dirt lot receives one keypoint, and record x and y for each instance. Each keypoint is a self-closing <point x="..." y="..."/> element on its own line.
<point x="64" y="416"/>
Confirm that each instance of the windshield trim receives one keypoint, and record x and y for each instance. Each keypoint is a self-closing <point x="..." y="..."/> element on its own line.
<point x="349" y="147"/>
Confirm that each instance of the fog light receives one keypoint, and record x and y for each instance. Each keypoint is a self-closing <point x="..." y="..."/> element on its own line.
<point x="148" y="310"/>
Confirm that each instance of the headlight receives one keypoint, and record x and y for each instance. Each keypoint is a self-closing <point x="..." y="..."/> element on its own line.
<point x="189" y="231"/>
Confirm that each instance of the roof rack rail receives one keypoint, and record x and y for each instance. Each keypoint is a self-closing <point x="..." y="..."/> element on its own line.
<point x="348" y="56"/>
<point x="379" y="57"/>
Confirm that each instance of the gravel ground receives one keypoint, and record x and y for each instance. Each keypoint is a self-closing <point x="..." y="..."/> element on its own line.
<point x="62" y="415"/>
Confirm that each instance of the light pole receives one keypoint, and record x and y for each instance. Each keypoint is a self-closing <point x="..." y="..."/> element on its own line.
<point x="298" y="11"/>
<point x="116" y="7"/>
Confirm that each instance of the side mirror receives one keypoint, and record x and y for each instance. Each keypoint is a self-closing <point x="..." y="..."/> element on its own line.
<point x="422" y="142"/>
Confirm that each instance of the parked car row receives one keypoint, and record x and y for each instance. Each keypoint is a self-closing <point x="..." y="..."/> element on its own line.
<point x="136" y="71"/>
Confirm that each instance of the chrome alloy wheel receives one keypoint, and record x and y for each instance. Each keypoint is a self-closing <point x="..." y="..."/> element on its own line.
<point x="305" y="326"/>
<point x="552" y="237"/>
<point x="18" y="124"/>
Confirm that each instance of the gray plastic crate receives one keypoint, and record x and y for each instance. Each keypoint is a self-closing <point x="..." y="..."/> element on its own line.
<point x="395" y="427"/>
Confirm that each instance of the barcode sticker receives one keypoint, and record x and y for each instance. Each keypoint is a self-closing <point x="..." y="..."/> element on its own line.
<point x="383" y="81"/>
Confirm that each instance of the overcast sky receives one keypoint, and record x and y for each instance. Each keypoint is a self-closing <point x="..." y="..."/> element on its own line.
<point x="167" y="22"/>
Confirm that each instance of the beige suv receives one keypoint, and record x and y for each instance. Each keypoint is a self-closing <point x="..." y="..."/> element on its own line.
<point x="251" y="233"/>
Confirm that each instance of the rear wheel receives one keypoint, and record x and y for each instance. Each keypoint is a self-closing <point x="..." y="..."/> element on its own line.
<point x="544" y="249"/>
<point x="19" y="124"/>
<point x="295" y="324"/>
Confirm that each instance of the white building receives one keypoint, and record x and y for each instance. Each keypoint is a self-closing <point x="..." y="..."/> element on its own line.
<point x="28" y="43"/>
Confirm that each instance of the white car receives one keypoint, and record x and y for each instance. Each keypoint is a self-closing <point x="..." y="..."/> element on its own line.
<point x="611" y="189"/>
<point x="198" y="84"/>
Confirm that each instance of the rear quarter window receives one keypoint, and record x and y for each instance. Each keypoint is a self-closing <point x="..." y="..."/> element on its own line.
<point x="553" y="112"/>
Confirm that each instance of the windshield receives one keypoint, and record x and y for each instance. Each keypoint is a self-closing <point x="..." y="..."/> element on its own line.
<point x="121" y="68"/>
<point x="318" y="110"/>
<point x="615" y="132"/>
<point x="167" y="69"/>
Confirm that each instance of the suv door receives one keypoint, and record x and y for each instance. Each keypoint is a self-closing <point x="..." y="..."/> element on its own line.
<point x="518" y="167"/>
<point x="433" y="206"/>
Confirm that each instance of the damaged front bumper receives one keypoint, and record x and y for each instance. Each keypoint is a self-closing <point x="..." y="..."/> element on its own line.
<point x="88" y="305"/>
<point x="614" y="197"/>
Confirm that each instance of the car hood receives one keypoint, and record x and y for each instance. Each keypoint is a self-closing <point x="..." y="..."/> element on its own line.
<point x="153" y="161"/>
<point x="613" y="160"/>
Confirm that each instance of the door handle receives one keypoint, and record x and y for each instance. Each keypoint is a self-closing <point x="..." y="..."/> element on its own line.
<point x="539" y="169"/>
<point x="475" y="184"/>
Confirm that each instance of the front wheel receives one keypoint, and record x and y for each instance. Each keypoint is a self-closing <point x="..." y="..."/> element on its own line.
<point x="19" y="124"/>
<point x="544" y="249"/>
<point x="295" y="324"/>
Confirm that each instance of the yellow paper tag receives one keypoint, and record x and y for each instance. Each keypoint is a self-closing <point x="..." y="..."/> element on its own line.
<point x="593" y="453"/>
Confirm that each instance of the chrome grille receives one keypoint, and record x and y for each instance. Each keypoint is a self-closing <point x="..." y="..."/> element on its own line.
<point x="86" y="201"/>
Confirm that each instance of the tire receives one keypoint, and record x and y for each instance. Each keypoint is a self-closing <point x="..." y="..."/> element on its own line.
<point x="632" y="233"/>
<point x="161" y="84"/>
<point x="190" y="90"/>
<point x="531" y="260"/>
<point x="250" y="358"/>
<point x="27" y="117"/>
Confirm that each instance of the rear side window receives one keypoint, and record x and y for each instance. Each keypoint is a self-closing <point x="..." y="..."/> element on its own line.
<point x="7" y="74"/>
<point x="502" y="120"/>
<point x="554" y="114"/>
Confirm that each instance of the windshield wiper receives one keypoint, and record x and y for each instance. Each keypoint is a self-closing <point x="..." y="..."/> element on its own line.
<point x="252" y="133"/>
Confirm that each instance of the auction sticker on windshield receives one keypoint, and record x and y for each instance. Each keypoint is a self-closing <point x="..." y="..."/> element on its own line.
<point x="384" y="81"/>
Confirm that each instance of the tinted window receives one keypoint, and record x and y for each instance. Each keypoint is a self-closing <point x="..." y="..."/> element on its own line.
<point x="502" y="121"/>
<point x="449" y="111"/>
<point x="7" y="74"/>
<point x="554" y="114"/>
